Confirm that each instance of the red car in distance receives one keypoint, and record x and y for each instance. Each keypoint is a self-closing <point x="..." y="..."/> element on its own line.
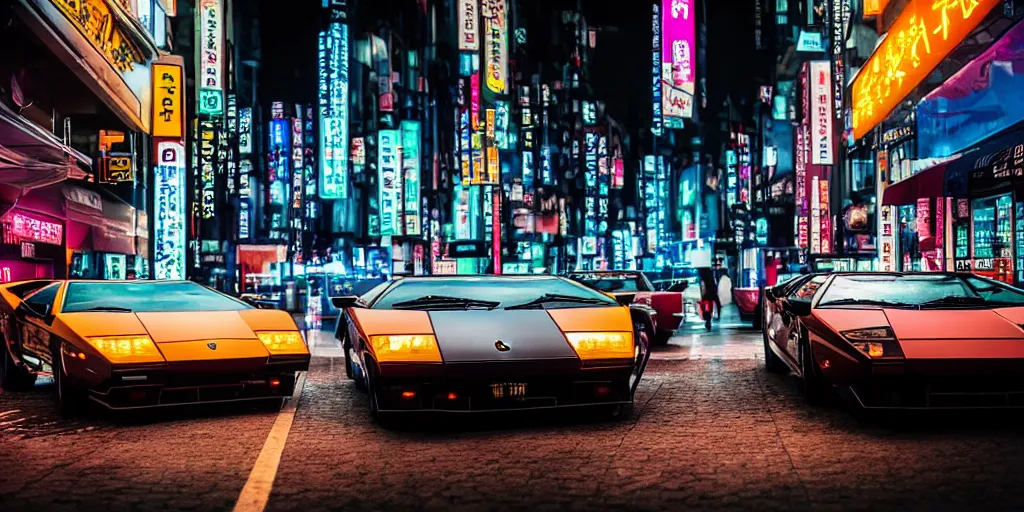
<point x="667" y="304"/>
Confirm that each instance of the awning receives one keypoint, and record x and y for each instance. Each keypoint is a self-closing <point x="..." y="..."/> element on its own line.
<point x="98" y="224"/>
<point x="927" y="183"/>
<point x="998" y="162"/>
<point x="31" y="157"/>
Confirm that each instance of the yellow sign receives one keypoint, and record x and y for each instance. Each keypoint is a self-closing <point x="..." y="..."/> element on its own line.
<point x="490" y="123"/>
<point x="493" y="167"/>
<point x="874" y="7"/>
<point x="94" y="19"/>
<point x="925" y="32"/>
<point x="117" y="168"/>
<point x="167" y="101"/>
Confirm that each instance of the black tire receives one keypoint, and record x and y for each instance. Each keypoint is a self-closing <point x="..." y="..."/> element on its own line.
<point x="348" y="362"/>
<point x="383" y="419"/>
<point x="772" y="362"/>
<point x="621" y="412"/>
<point x="812" y="384"/>
<point x="13" y="378"/>
<point x="71" y="400"/>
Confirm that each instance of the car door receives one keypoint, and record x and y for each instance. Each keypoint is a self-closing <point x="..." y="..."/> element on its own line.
<point x="787" y="336"/>
<point x="32" y="321"/>
<point x="773" y="308"/>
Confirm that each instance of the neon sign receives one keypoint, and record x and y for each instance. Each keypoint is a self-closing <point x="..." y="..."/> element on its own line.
<point x="169" y="222"/>
<point x="388" y="167"/>
<point x="921" y="37"/>
<point x="30" y="228"/>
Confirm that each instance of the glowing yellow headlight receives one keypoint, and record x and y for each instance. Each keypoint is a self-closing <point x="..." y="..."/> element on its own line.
<point x="417" y="348"/>
<point x="602" y="345"/>
<point x="127" y="349"/>
<point x="283" y="342"/>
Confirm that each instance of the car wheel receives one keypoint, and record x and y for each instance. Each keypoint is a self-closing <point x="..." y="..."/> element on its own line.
<point x="621" y="412"/>
<point x="71" y="400"/>
<point x="348" y="362"/>
<point x="13" y="378"/>
<point x="813" y="385"/>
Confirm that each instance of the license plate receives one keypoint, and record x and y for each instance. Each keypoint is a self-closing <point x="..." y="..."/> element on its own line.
<point x="508" y="390"/>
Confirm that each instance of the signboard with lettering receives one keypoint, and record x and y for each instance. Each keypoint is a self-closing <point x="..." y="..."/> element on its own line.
<point x="925" y="32"/>
<point x="678" y="70"/>
<point x="211" y="53"/>
<point x="496" y="44"/>
<point x="169" y="221"/>
<point x="821" y="113"/>
<point x="95" y="20"/>
<point x="116" y="168"/>
<point x="469" y="36"/>
<point x="388" y="162"/>
<point x="168" y="120"/>
<point x="467" y="249"/>
<point x="37" y="230"/>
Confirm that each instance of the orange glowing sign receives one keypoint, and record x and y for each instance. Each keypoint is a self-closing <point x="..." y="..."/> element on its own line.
<point x="925" y="32"/>
<point x="874" y="7"/>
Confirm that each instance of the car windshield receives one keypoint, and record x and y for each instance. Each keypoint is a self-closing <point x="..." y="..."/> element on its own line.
<point x="613" y="283"/>
<point x="503" y="291"/>
<point x="899" y="290"/>
<point x="146" y="297"/>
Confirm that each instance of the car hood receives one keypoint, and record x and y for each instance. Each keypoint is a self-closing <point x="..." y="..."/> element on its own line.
<point x="174" y="327"/>
<point x="940" y="334"/>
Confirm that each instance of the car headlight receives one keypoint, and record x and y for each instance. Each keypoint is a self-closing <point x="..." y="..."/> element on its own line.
<point x="601" y="345"/>
<point x="283" y="342"/>
<point x="127" y="349"/>
<point x="876" y="342"/>
<point x="415" y="348"/>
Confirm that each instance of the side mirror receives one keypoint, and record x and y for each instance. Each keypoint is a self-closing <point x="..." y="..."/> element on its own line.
<point x="798" y="307"/>
<point x="348" y="301"/>
<point x="625" y="299"/>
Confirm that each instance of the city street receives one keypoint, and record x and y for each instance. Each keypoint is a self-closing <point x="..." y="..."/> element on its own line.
<point x="711" y="430"/>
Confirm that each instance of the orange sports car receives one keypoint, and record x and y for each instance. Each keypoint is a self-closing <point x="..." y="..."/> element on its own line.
<point x="135" y="344"/>
<point x="899" y="340"/>
<point x="491" y="343"/>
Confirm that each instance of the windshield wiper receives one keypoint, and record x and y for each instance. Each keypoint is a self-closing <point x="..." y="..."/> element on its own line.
<point x="444" y="302"/>
<point x="860" y="302"/>
<point x="955" y="300"/>
<point x="115" y="309"/>
<point x="554" y="297"/>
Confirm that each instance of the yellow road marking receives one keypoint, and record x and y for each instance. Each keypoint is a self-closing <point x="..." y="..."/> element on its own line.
<point x="257" y="488"/>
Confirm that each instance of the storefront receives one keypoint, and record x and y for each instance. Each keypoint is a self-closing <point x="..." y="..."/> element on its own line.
<point x="101" y="240"/>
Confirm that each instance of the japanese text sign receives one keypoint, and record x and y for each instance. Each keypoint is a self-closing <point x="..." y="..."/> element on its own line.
<point x="921" y="37"/>
<point x="167" y="94"/>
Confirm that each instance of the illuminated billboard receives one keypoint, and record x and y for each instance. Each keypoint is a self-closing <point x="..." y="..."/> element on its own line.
<point x="169" y="222"/>
<point x="918" y="41"/>
<point x="387" y="181"/>
<point x="211" y="53"/>
<point x="821" y="113"/>
<point x="168" y="112"/>
<point x="469" y="32"/>
<point x="983" y="98"/>
<point x="496" y="44"/>
<point x="656" y="120"/>
<point x="678" y="44"/>
<point x="333" y="97"/>
<point x="411" y="172"/>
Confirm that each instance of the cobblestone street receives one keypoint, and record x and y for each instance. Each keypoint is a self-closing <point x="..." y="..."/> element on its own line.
<point x="711" y="429"/>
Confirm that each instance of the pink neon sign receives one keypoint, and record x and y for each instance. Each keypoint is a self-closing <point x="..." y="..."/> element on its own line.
<point x="36" y="230"/>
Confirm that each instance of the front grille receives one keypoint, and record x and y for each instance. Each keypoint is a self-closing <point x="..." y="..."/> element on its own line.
<point x="959" y="392"/>
<point x="488" y="396"/>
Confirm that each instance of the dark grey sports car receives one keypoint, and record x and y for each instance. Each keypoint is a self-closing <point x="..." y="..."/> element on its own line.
<point x="491" y="343"/>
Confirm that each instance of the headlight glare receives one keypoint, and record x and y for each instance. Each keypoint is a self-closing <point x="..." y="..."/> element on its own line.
<point x="127" y="349"/>
<point x="875" y="342"/>
<point x="406" y="348"/>
<point x="283" y="342"/>
<point x="601" y="345"/>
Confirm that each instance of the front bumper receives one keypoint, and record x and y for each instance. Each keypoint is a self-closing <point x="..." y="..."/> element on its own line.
<point x="940" y="392"/>
<point x="504" y="392"/>
<point x="198" y="382"/>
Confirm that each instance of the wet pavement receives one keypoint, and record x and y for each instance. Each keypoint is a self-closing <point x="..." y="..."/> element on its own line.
<point x="711" y="430"/>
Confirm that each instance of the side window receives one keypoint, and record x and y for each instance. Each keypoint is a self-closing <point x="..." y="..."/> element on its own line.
<point x="375" y="292"/>
<point x="995" y="292"/>
<point x="25" y="289"/>
<point x="43" y="298"/>
<point x="807" y="290"/>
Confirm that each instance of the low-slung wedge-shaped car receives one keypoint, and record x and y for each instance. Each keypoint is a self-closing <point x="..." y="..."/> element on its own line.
<point x="490" y="343"/>
<point x="136" y="344"/>
<point x="899" y="341"/>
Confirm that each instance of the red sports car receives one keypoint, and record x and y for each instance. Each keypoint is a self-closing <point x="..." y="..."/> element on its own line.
<point x="899" y="341"/>
<point x="667" y="304"/>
